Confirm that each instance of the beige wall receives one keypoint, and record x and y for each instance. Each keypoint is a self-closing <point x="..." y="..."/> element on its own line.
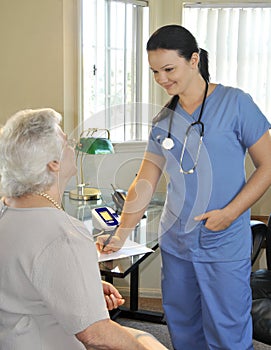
<point x="161" y="13"/>
<point x="31" y="37"/>
<point x="33" y="42"/>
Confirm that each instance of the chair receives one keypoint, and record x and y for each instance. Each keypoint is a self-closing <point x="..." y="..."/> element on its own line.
<point x="259" y="231"/>
<point x="261" y="284"/>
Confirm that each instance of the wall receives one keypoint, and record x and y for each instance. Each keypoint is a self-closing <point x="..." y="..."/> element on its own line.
<point x="35" y="50"/>
<point x="161" y="13"/>
<point x="31" y="38"/>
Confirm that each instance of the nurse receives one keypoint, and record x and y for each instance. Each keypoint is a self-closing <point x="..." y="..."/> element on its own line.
<point x="200" y="138"/>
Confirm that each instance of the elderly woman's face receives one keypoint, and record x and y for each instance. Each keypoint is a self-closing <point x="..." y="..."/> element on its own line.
<point x="67" y="161"/>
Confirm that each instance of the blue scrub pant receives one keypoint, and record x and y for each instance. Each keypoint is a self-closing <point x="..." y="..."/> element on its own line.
<point x="207" y="305"/>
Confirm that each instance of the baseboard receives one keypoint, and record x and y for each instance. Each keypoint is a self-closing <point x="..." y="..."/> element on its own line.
<point x="152" y="293"/>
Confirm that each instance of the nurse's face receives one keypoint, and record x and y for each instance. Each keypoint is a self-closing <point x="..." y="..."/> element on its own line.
<point x="174" y="73"/>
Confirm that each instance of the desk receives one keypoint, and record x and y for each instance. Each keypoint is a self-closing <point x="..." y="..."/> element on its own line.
<point x="145" y="233"/>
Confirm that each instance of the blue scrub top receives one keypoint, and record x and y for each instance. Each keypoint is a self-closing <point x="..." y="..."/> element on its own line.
<point x="233" y="123"/>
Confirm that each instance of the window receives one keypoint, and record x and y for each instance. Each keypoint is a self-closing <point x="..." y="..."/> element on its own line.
<point x="237" y="38"/>
<point x="115" y="74"/>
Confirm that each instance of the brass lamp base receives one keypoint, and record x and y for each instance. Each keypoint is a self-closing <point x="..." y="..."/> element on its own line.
<point x="87" y="194"/>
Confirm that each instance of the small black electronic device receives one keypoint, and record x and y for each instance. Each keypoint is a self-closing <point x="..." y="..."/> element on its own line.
<point x="118" y="197"/>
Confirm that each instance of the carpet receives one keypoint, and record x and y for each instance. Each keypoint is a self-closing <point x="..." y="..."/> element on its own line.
<point x="161" y="333"/>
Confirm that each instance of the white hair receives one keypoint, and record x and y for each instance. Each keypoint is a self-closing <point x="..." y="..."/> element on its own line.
<point x="29" y="140"/>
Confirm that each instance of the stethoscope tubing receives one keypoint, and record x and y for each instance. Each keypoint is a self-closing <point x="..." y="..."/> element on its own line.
<point x="199" y="118"/>
<point x="168" y="142"/>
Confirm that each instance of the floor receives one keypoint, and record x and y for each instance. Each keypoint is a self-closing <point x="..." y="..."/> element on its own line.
<point x="152" y="304"/>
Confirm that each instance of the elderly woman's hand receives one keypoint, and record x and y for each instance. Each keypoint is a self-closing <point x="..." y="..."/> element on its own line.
<point x="112" y="296"/>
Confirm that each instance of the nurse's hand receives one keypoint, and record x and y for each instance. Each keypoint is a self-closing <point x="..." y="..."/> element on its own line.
<point x="216" y="220"/>
<point x="114" y="244"/>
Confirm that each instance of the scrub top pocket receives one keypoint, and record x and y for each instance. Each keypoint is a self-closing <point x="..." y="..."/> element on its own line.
<point x="215" y="239"/>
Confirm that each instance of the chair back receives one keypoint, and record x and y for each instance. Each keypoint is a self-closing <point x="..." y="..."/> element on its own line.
<point x="268" y="244"/>
<point x="259" y="234"/>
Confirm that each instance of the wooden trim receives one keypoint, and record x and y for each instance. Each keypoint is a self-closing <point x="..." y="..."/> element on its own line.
<point x="263" y="218"/>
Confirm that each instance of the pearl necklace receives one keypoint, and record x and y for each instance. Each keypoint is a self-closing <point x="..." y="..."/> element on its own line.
<point x="50" y="199"/>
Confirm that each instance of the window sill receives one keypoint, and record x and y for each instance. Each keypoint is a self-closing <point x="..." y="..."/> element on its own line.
<point x="130" y="147"/>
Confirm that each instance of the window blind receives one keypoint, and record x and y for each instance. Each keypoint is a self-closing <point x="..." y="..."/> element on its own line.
<point x="238" y="40"/>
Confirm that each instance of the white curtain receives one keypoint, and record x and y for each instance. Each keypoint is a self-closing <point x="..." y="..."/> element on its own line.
<point x="238" y="40"/>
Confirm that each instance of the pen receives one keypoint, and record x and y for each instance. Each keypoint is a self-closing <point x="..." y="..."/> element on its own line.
<point x="111" y="234"/>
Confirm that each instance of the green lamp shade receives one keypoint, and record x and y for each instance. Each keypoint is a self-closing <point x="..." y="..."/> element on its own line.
<point x="92" y="145"/>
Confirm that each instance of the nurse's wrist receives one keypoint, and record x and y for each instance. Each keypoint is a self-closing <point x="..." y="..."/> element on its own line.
<point x="231" y="213"/>
<point x="123" y="233"/>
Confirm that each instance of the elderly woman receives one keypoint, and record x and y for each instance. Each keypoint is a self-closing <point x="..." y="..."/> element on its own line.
<point x="51" y="294"/>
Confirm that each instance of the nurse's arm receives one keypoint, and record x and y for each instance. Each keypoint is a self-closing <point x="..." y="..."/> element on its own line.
<point x="137" y="200"/>
<point x="253" y="190"/>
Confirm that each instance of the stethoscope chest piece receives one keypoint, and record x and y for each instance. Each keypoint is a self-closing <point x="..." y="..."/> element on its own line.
<point x="168" y="143"/>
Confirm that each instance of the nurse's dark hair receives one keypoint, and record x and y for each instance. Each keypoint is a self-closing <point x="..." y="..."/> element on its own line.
<point x="175" y="37"/>
<point x="178" y="38"/>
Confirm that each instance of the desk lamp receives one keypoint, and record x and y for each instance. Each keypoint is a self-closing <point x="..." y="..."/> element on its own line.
<point x="89" y="144"/>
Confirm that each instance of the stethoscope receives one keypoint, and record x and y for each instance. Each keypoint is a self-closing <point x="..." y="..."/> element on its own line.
<point x="168" y="142"/>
